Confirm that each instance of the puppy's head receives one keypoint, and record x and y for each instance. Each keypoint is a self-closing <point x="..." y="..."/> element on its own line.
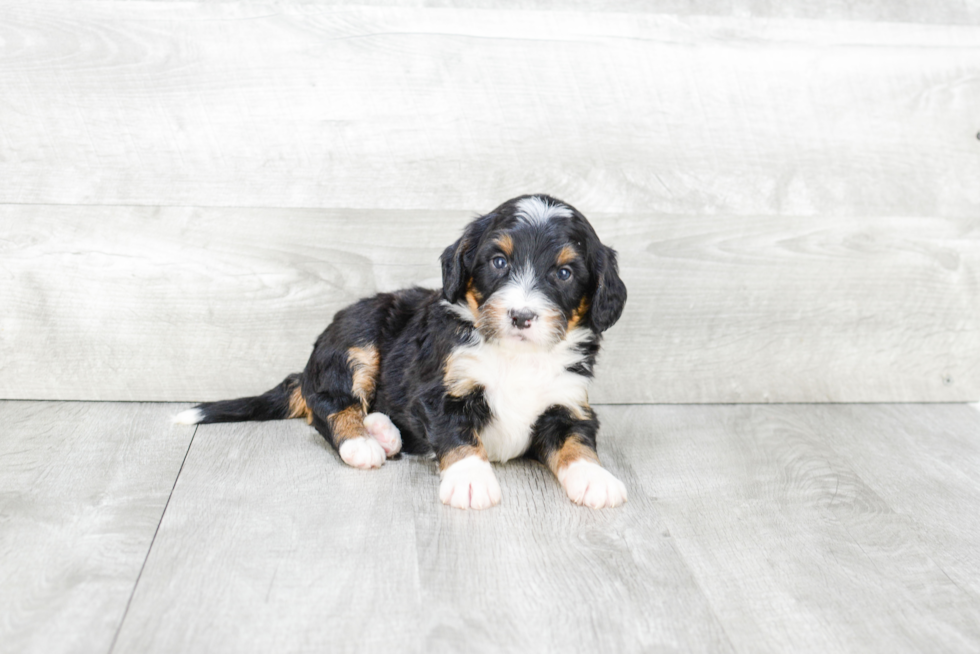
<point x="531" y="271"/>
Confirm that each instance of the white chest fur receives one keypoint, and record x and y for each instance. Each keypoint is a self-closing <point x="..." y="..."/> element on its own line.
<point x="519" y="384"/>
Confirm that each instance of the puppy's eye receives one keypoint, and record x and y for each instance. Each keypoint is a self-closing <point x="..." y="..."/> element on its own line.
<point x="499" y="263"/>
<point x="564" y="274"/>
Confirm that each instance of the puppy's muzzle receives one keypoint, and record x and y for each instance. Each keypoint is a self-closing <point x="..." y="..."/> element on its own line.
<point x="521" y="319"/>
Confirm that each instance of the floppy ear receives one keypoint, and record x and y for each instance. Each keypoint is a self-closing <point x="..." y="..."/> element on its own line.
<point x="457" y="259"/>
<point x="610" y="292"/>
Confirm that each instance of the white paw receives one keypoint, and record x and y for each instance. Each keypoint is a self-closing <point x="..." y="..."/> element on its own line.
<point x="591" y="485"/>
<point x="385" y="432"/>
<point x="362" y="452"/>
<point x="469" y="484"/>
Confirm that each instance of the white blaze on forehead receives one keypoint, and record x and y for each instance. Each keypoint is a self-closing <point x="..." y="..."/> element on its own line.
<point x="537" y="210"/>
<point x="521" y="293"/>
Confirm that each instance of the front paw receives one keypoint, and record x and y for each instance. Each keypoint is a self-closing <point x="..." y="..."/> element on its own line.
<point x="469" y="484"/>
<point x="589" y="484"/>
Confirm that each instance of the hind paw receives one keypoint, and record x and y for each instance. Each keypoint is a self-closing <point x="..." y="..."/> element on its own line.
<point x="385" y="432"/>
<point x="362" y="452"/>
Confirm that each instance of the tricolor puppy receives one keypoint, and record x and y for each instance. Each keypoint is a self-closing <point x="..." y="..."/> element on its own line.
<point x="493" y="366"/>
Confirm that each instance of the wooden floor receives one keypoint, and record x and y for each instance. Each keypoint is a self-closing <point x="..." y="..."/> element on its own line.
<point x="749" y="528"/>
<point x="190" y="189"/>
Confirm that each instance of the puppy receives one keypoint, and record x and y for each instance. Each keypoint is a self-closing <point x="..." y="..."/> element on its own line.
<point x="493" y="366"/>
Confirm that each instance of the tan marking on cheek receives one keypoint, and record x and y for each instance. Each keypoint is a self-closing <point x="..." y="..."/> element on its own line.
<point x="567" y="255"/>
<point x="298" y="407"/>
<point x="473" y="297"/>
<point x="572" y="450"/>
<point x="346" y="424"/>
<point x="490" y="318"/>
<point x="506" y="244"/>
<point x="458" y="454"/>
<point x="576" y="319"/>
<point x="363" y="362"/>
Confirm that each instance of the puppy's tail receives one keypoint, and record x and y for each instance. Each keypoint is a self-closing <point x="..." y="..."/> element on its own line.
<point x="283" y="401"/>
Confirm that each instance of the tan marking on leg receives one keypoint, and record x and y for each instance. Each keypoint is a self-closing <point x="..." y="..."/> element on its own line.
<point x="298" y="407"/>
<point x="363" y="362"/>
<point x="506" y="244"/>
<point x="346" y="424"/>
<point x="573" y="449"/>
<point x="458" y="454"/>
<point x="578" y="314"/>
<point x="566" y="255"/>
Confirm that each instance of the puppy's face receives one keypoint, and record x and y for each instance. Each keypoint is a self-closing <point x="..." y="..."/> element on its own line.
<point x="533" y="270"/>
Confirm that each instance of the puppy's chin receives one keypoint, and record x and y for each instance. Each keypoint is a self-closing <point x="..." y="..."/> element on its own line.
<point x="514" y="336"/>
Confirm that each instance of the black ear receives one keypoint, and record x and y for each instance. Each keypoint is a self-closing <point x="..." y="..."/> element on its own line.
<point x="610" y="292"/>
<point x="457" y="259"/>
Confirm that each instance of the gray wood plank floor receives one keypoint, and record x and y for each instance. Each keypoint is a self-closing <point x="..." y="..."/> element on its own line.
<point x="750" y="528"/>
<point x="82" y="490"/>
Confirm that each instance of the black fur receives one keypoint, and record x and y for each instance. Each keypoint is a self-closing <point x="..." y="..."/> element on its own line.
<point x="554" y="427"/>
<point x="414" y="332"/>
<point x="609" y="296"/>
<point x="271" y="405"/>
<point x="457" y="259"/>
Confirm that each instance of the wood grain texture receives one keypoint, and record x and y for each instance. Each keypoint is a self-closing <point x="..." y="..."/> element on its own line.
<point x="306" y="105"/>
<point x="82" y="490"/>
<point x="270" y="543"/>
<point x="926" y="468"/>
<point x="748" y="529"/>
<point x="804" y="528"/>
<point x="539" y="574"/>
<point x="953" y="12"/>
<point x="129" y="303"/>
<point x="815" y="528"/>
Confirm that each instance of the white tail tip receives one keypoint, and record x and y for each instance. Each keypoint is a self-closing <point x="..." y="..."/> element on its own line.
<point x="189" y="417"/>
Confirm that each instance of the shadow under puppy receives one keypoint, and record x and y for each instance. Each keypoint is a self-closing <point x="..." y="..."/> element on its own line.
<point x="493" y="366"/>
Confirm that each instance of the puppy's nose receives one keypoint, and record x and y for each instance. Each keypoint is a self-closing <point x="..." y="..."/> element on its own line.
<point x="521" y="319"/>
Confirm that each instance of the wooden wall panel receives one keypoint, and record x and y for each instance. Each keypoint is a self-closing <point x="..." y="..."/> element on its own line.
<point x="795" y="198"/>
<point x="135" y="303"/>
<point x="305" y="105"/>
<point x="951" y="12"/>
